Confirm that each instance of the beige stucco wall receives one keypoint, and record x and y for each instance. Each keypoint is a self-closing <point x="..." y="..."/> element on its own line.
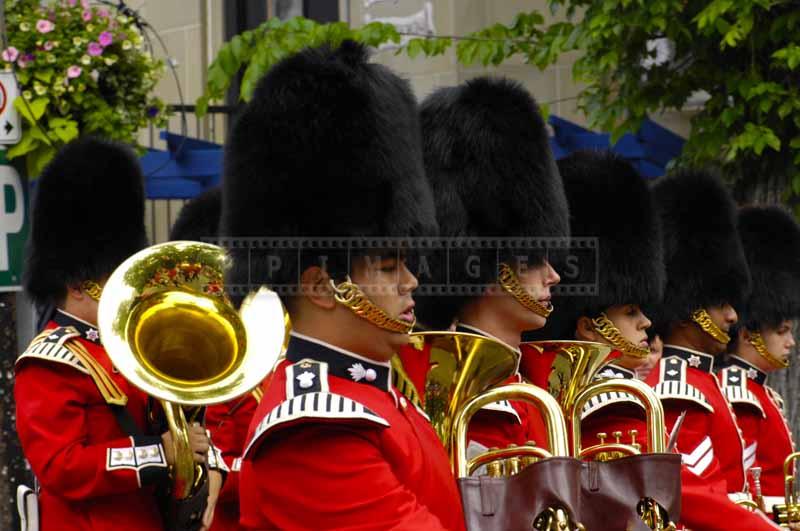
<point x="193" y="31"/>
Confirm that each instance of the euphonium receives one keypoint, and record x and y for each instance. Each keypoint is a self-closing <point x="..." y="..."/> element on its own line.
<point x="571" y="367"/>
<point x="463" y="366"/>
<point x="788" y="512"/>
<point x="170" y="330"/>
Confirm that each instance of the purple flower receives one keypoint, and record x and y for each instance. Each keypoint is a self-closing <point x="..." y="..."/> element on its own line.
<point x="152" y="111"/>
<point x="105" y="38"/>
<point x="44" y="26"/>
<point x="95" y="49"/>
<point x="10" y="54"/>
<point x="74" y="71"/>
<point x="87" y="15"/>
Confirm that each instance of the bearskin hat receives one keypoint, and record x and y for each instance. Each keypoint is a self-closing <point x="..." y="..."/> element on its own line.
<point x="198" y="220"/>
<point x="703" y="252"/>
<point x="88" y="217"/>
<point x="329" y="146"/>
<point x="610" y="201"/>
<point x="771" y="239"/>
<point x="488" y="159"/>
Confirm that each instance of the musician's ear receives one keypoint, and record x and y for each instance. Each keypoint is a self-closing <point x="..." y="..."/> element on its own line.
<point x="584" y="329"/>
<point x="316" y="287"/>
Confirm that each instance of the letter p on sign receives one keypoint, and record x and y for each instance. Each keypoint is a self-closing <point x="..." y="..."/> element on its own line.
<point x="12" y="213"/>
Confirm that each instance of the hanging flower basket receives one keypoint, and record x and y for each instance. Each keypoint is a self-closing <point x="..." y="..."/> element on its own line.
<point x="82" y="70"/>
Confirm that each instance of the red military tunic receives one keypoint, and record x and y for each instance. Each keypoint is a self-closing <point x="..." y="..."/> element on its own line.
<point x="93" y="475"/>
<point x="710" y="439"/>
<point x="704" y="505"/>
<point x="228" y="424"/>
<point x="768" y="439"/>
<point x="333" y="445"/>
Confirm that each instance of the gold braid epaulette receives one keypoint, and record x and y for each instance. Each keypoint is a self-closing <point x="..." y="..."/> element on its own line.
<point x="59" y="345"/>
<point x="111" y="392"/>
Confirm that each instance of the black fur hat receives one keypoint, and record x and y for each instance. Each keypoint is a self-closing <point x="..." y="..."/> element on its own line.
<point x="610" y="201"/>
<point x="705" y="260"/>
<point x="88" y="217"/>
<point x="329" y="146"/>
<point x="198" y="220"/>
<point x="488" y="159"/>
<point x="771" y="239"/>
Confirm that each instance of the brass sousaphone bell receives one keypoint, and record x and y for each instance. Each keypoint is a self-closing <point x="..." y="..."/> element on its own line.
<point x="170" y="330"/>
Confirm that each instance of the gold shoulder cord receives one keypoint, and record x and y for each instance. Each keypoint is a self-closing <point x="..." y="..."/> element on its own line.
<point x="257" y="394"/>
<point x="403" y="382"/>
<point x="112" y="394"/>
<point x="606" y="328"/>
<point x="508" y="281"/>
<point x="350" y="295"/>
<point x="758" y="343"/>
<point x="702" y="318"/>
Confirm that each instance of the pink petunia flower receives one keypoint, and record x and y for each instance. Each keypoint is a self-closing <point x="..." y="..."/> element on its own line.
<point x="49" y="45"/>
<point x="102" y="12"/>
<point x="10" y="54"/>
<point x="85" y="4"/>
<point x="72" y="3"/>
<point x="95" y="49"/>
<point x="105" y="38"/>
<point x="74" y="71"/>
<point x="44" y="26"/>
<point x="87" y="15"/>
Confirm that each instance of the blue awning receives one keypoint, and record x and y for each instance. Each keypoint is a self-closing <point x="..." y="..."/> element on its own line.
<point x="190" y="166"/>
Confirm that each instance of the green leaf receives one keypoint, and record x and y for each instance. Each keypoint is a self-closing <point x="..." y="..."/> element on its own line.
<point x="45" y="75"/>
<point x="38" y="159"/>
<point x="26" y="144"/>
<point x="414" y="48"/>
<point x="201" y="106"/>
<point x="33" y="110"/>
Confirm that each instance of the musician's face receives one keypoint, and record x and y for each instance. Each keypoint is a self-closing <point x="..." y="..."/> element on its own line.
<point x="779" y="341"/>
<point x="537" y="281"/>
<point x="632" y="323"/>
<point x="389" y="285"/>
<point x="724" y="316"/>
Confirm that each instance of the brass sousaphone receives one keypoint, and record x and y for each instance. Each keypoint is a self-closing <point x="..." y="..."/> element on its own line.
<point x="170" y="330"/>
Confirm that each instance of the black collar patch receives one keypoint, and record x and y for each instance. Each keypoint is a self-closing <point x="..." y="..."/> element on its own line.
<point x="340" y="363"/>
<point x="87" y="331"/>
<point x="753" y="372"/>
<point x="695" y="359"/>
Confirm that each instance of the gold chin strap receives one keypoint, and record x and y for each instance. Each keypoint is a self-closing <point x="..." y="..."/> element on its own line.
<point x="758" y="343"/>
<point x="606" y="328"/>
<point x="508" y="281"/>
<point x="92" y="289"/>
<point x="350" y="295"/>
<point x="702" y="318"/>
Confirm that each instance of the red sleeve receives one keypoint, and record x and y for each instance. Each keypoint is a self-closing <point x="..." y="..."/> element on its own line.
<point x="694" y="443"/>
<point x="749" y="420"/>
<point x="53" y="404"/>
<point x="228" y="423"/>
<point x="710" y="509"/>
<point x="326" y="477"/>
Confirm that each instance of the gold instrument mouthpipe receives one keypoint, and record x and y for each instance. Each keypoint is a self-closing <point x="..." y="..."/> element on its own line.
<point x="652" y="405"/>
<point x="551" y="412"/>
